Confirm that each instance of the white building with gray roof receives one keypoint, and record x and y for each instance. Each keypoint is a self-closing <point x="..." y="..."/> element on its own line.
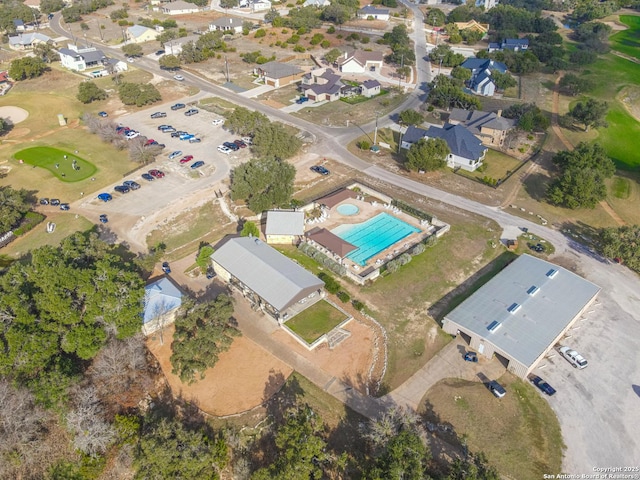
<point x="266" y="278"/>
<point x="522" y="312"/>
<point x="284" y="226"/>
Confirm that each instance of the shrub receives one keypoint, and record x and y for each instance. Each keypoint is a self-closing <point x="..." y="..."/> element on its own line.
<point x="404" y="259"/>
<point x="343" y="296"/>
<point x="331" y="29"/>
<point x="482" y="167"/>
<point x="418" y="249"/>
<point x="302" y="31"/>
<point x="365" y="40"/>
<point x="392" y="266"/>
<point x="261" y="32"/>
<point x="364" y="145"/>
<point x="325" y="44"/>
<point x="293" y="39"/>
<point x="416" y="212"/>
<point x="331" y="285"/>
<point x="357" y="304"/>
<point x="316" y="39"/>
<point x="299" y="49"/>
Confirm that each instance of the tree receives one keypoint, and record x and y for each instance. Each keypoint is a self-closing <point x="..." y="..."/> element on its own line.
<point x="301" y="451"/>
<point x="574" y="84"/>
<point x="13" y="206"/>
<point x="51" y="6"/>
<point x="203" y="260"/>
<point x="503" y="80"/>
<point x="203" y="331"/>
<point x="332" y="55"/>
<point x="590" y="113"/>
<point x="169" y="62"/>
<point x="263" y="183"/>
<point x="435" y="17"/>
<point x="475" y="467"/>
<point x="250" y="229"/>
<point x="411" y="117"/>
<point x="428" y="154"/>
<point x="336" y="13"/>
<point x="271" y="15"/>
<point x="272" y="140"/>
<point x="400" y="43"/>
<point x="27" y="68"/>
<point x="461" y="73"/>
<point x="229" y="3"/>
<point x="446" y="92"/>
<point x="529" y="116"/>
<point x="92" y="433"/>
<point x="138" y="94"/>
<point x="132" y="50"/>
<point x="444" y="53"/>
<point x="243" y="121"/>
<point x="46" y="52"/>
<point x="89" y="92"/>
<point x="141" y="153"/>
<point x="622" y="243"/>
<point x="5" y="126"/>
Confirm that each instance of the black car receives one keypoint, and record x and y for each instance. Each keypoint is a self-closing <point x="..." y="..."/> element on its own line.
<point x="191" y="111"/>
<point x="165" y="267"/>
<point x="121" y="188"/>
<point x="158" y="115"/>
<point x="176" y="134"/>
<point x="197" y="164"/>
<point x="64" y="206"/>
<point x="497" y="389"/>
<point x="160" y="52"/>
<point x="178" y="106"/>
<point x="44" y="201"/>
<point x="162" y="127"/>
<point x="231" y="146"/>
<point x="320" y="169"/>
<point x="131" y="184"/>
<point x="147" y="177"/>
<point x="54" y="202"/>
<point x="542" y="385"/>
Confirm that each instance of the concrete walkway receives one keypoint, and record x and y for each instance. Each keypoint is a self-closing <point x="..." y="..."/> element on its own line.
<point x="256" y="92"/>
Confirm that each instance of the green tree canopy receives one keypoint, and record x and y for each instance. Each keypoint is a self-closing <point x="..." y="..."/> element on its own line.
<point x="336" y="13"/>
<point x="411" y="117"/>
<point x="623" y="243"/>
<point x="446" y="92"/>
<point x="138" y="94"/>
<point x="263" y="183"/>
<point x="273" y="140"/>
<point x="132" y="50"/>
<point x="529" y="116"/>
<point x="13" y="205"/>
<point x="203" y="331"/>
<point x="435" y="17"/>
<point x="476" y="467"/>
<point x="428" y="154"/>
<point x="170" y="62"/>
<point x="503" y="80"/>
<point x="590" y="113"/>
<point x="461" y="73"/>
<point x="243" y="121"/>
<point x="332" y="55"/>
<point x="203" y="260"/>
<point x="26" y="68"/>
<point x="89" y="92"/>
<point x="250" y="229"/>
<point x="573" y="84"/>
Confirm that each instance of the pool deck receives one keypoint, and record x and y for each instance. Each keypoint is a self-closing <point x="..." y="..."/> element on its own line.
<point x="369" y="208"/>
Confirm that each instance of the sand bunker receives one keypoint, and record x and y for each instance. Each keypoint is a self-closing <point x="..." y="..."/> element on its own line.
<point x="630" y="98"/>
<point x="14" y="114"/>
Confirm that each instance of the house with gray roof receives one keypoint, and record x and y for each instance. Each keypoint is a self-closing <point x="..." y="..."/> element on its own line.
<point x="491" y="128"/>
<point x="26" y="41"/>
<point x="467" y="152"/>
<point x="316" y="3"/>
<point x="284" y="226"/>
<point x="226" y="24"/>
<point x="322" y="87"/>
<point x="372" y="13"/>
<point x="265" y="277"/>
<point x="162" y="298"/>
<point x="522" y="312"/>
<point x="179" y="7"/>
<point x="359" y="61"/>
<point x="278" y="74"/>
<point x="370" y="88"/>
<point x="481" y="70"/>
<point x="81" y="59"/>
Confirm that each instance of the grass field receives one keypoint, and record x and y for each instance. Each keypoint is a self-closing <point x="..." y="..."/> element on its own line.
<point x="59" y="162"/>
<point x="519" y="433"/>
<point x="628" y="41"/>
<point x="315" y="321"/>
<point x="620" y="187"/>
<point x="498" y="166"/>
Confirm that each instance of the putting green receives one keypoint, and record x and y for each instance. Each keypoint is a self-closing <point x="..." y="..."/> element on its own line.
<point x="58" y="162"/>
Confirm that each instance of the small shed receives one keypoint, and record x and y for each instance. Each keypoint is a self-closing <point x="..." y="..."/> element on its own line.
<point x="284" y="226"/>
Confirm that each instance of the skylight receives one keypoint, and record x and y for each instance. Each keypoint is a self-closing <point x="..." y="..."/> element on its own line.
<point x="493" y="326"/>
<point x="552" y="273"/>
<point x="513" y="308"/>
<point x="533" y="290"/>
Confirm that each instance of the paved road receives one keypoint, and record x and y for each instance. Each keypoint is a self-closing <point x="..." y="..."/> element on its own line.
<point x="599" y="407"/>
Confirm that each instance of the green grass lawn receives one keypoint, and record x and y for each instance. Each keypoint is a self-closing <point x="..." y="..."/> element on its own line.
<point x="620" y="187"/>
<point x="315" y="321"/>
<point x="498" y="165"/>
<point x="628" y="41"/>
<point x="59" y="162"/>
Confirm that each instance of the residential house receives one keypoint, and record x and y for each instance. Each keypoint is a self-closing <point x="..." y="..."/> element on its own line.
<point x="141" y="34"/>
<point x="486" y="4"/>
<point x="284" y="226"/>
<point x="491" y="128"/>
<point x="316" y="3"/>
<point x="174" y="47"/>
<point x="321" y="87"/>
<point x="360" y="61"/>
<point x="278" y="74"/>
<point x="514" y="44"/>
<point x="371" y="12"/>
<point x="179" y="7"/>
<point x="35" y="4"/>
<point x="4" y="77"/>
<point x="467" y="151"/>
<point x="268" y="280"/>
<point x="26" y="41"/>
<point x="260" y="5"/>
<point x="80" y="59"/>
<point x="481" y="69"/>
<point x="162" y="299"/>
<point x="19" y="25"/>
<point x="115" y="65"/>
<point x="370" y="88"/>
<point x="473" y="25"/>
<point x="226" y="24"/>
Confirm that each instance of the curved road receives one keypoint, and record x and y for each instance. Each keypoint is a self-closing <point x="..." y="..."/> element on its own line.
<point x="600" y="410"/>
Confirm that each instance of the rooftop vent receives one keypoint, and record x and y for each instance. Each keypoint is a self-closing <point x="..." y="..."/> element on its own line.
<point x="552" y="273"/>
<point x="533" y="290"/>
<point x="513" y="308"/>
<point x="493" y="326"/>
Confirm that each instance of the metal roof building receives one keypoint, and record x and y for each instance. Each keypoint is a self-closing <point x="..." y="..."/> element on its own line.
<point x="284" y="226"/>
<point x="266" y="277"/>
<point x="522" y="312"/>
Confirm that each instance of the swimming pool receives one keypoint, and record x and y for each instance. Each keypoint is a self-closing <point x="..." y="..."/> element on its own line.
<point x="373" y="236"/>
<point x="347" y="209"/>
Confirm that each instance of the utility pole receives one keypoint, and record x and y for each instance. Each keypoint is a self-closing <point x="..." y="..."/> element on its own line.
<point x="440" y="67"/>
<point x="401" y="71"/>
<point x="375" y="132"/>
<point x="226" y="64"/>
<point x="100" y="30"/>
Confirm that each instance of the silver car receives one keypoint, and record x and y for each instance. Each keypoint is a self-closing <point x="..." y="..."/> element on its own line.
<point x="573" y="357"/>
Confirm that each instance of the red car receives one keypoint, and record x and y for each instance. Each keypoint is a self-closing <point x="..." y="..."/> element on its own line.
<point x="240" y="143"/>
<point x="156" y="173"/>
<point x="151" y="141"/>
<point x="186" y="159"/>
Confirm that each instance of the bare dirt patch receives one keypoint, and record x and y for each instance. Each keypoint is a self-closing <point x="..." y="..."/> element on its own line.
<point x="242" y="379"/>
<point x="630" y="98"/>
<point x="14" y="114"/>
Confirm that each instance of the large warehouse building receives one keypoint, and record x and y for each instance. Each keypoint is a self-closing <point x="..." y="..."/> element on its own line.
<point x="521" y="313"/>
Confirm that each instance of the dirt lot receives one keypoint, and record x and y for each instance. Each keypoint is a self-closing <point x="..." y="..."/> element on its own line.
<point x="238" y="382"/>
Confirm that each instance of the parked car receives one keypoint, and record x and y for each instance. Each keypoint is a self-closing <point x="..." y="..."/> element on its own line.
<point x="160" y="52"/>
<point x="223" y="149"/>
<point x="573" y="357"/>
<point x="168" y="129"/>
<point x="537" y="248"/>
<point x="240" y="143"/>
<point x="166" y="268"/>
<point x="162" y="127"/>
<point x="232" y="146"/>
<point x="247" y="140"/>
<point x="104" y="218"/>
<point x="131" y="184"/>
<point x="301" y="100"/>
<point x="64" y="206"/>
<point x="191" y="111"/>
<point x="186" y="159"/>
<point x="121" y="189"/>
<point x="186" y="136"/>
<point x="197" y="164"/>
<point x="158" y="115"/>
<point x="179" y="78"/>
<point x="44" y="201"/>
<point x="150" y="141"/>
<point x="105" y="197"/>
<point x="131" y="134"/>
<point x="156" y="173"/>
<point x="194" y="140"/>
<point x="471" y="357"/>
<point x="55" y="202"/>
<point x="542" y="385"/>
<point x="103" y="114"/>
<point x="497" y="389"/>
<point x="147" y="177"/>
<point x="217" y="122"/>
<point x="320" y="169"/>
<point x="177" y="106"/>
<point x="175" y="154"/>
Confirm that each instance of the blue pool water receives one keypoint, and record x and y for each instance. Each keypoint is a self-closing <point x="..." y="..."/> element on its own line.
<point x="347" y="209"/>
<point x="373" y="236"/>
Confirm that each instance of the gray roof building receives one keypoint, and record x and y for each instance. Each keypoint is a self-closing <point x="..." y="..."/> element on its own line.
<point x="474" y="120"/>
<point x="371" y="10"/>
<point x="283" y="222"/>
<point x="279" y="70"/>
<point x="249" y="263"/>
<point x="460" y="140"/>
<point x="522" y="312"/>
